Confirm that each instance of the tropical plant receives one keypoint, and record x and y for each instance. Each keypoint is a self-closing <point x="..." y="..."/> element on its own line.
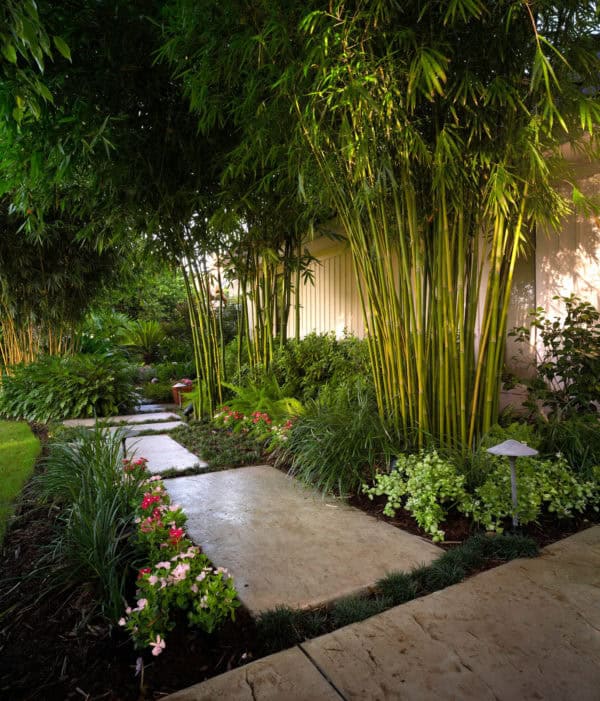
<point x="267" y="397"/>
<point x="68" y="387"/>
<point x="143" y="337"/>
<point x="394" y="106"/>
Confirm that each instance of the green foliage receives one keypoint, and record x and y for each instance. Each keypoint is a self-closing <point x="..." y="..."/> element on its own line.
<point x="576" y="438"/>
<point x="19" y="449"/>
<point x="338" y="441"/>
<point x="356" y="608"/>
<point x="540" y="483"/>
<point x="398" y="587"/>
<point x="267" y="397"/>
<point x="568" y="371"/>
<point x="68" y="387"/>
<point x="157" y="391"/>
<point x="303" y="367"/>
<point x="171" y="372"/>
<point x="219" y="447"/>
<point x="92" y="547"/>
<point x="144" y="337"/>
<point x="279" y="628"/>
<point x="427" y="484"/>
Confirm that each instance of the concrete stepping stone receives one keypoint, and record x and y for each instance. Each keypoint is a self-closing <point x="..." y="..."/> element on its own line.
<point x="287" y="545"/>
<point x="126" y="419"/>
<point x="162" y="453"/>
<point x="137" y="429"/>
<point x="150" y="408"/>
<point x="288" y="675"/>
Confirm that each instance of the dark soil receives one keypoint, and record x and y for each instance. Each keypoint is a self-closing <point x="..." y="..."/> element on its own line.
<point x="54" y="647"/>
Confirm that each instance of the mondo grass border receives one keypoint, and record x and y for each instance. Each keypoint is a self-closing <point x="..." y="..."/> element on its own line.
<point x="284" y="627"/>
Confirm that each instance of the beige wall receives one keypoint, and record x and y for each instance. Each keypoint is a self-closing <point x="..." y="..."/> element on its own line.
<point x="332" y="301"/>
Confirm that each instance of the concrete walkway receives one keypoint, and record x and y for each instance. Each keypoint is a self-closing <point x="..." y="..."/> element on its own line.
<point x="287" y="545"/>
<point x="527" y="630"/>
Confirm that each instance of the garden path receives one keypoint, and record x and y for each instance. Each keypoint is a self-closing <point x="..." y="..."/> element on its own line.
<point x="160" y="450"/>
<point x="529" y="629"/>
<point x="285" y="544"/>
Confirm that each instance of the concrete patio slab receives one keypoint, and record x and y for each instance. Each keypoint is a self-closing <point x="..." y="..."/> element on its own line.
<point x="287" y="675"/>
<point x="526" y="630"/>
<point x="286" y="545"/>
<point x="137" y="429"/>
<point x="162" y="453"/>
<point x="126" y="419"/>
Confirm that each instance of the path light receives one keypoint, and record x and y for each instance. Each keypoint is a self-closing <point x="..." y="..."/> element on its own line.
<point x="513" y="450"/>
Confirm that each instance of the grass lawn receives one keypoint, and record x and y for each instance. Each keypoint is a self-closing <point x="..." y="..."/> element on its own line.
<point x="19" y="449"/>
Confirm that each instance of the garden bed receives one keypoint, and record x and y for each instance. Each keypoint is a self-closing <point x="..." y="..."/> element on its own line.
<point x="52" y="648"/>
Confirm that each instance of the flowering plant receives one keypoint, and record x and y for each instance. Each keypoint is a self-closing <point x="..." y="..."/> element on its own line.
<point x="178" y="574"/>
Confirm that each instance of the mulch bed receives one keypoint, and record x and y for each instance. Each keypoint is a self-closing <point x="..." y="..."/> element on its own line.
<point x="50" y="649"/>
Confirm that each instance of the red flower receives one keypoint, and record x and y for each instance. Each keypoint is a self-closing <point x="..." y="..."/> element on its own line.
<point x="175" y="535"/>
<point x="143" y="571"/>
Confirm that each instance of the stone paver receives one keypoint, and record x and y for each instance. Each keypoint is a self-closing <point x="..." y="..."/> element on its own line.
<point x="286" y="545"/>
<point x="126" y="419"/>
<point x="162" y="453"/>
<point x="137" y="429"/>
<point x="288" y="675"/>
<point x="527" y="630"/>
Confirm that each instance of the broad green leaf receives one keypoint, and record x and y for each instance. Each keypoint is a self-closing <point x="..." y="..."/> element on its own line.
<point x="62" y="47"/>
<point x="9" y="53"/>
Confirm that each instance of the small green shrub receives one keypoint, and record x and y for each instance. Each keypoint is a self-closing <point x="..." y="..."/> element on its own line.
<point x="171" y="372"/>
<point x="338" y="441"/>
<point x="427" y="484"/>
<point x="68" y="387"/>
<point x="357" y="608"/>
<point x="157" y="391"/>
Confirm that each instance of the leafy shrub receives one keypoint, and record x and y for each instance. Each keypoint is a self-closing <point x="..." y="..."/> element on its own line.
<point x="304" y="367"/>
<point x="568" y="371"/>
<point x="338" y="441"/>
<point x="68" y="387"/>
<point x="171" y="372"/>
<point x="548" y="483"/>
<point x="157" y="391"/>
<point x="427" y="484"/>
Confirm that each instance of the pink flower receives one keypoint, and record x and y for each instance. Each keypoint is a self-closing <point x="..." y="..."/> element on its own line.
<point x="165" y="565"/>
<point x="180" y="572"/>
<point x="152" y="579"/>
<point x="158" y="646"/>
<point x="122" y="621"/>
<point x="142" y="603"/>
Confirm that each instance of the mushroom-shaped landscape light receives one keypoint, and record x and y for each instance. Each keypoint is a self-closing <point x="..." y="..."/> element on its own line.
<point x="513" y="450"/>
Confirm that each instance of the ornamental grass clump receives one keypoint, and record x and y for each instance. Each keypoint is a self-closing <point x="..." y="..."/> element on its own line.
<point x="177" y="576"/>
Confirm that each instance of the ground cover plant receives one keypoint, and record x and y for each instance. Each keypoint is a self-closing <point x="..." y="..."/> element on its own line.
<point x="19" y="449"/>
